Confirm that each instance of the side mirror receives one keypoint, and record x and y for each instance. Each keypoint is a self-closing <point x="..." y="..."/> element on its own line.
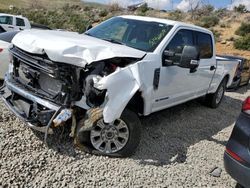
<point x="167" y="58"/>
<point x="189" y="57"/>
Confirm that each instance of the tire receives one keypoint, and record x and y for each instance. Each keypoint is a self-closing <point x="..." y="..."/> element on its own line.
<point x="128" y="123"/>
<point x="213" y="100"/>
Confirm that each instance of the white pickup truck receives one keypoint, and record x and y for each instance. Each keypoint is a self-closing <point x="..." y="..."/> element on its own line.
<point x="10" y="22"/>
<point x="100" y="81"/>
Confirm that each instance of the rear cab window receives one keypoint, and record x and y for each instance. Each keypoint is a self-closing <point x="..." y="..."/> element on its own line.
<point x="20" y="22"/>
<point x="205" y="44"/>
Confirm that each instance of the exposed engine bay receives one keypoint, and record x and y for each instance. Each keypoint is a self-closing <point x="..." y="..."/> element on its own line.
<point x="64" y="85"/>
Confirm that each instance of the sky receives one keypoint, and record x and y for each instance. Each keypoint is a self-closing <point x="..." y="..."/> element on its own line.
<point x="179" y="4"/>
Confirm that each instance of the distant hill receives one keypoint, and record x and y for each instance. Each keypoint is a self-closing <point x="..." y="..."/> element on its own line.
<point x="75" y="15"/>
<point x="49" y="4"/>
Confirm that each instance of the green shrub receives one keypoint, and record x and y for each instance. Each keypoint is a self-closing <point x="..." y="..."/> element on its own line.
<point x="241" y="8"/>
<point x="243" y="43"/>
<point x="209" y="21"/>
<point x="231" y="39"/>
<point x="223" y="25"/>
<point x="103" y="13"/>
<point x="243" y="30"/>
<point x="176" y="15"/>
<point x="144" y="8"/>
<point x="205" y="10"/>
<point x="114" y="7"/>
<point x="221" y="12"/>
<point x="217" y="35"/>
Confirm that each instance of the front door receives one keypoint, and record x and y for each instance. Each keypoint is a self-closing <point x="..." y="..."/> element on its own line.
<point x="176" y="84"/>
<point x="6" y="22"/>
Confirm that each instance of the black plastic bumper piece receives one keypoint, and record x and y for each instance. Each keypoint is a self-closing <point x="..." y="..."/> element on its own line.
<point x="237" y="171"/>
<point x="24" y="105"/>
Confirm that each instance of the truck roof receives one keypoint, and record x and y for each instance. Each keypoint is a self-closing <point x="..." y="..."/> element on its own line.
<point x="165" y="21"/>
<point x="18" y="16"/>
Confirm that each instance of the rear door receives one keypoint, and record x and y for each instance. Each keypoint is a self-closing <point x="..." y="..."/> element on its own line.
<point x="207" y="63"/>
<point x="20" y="24"/>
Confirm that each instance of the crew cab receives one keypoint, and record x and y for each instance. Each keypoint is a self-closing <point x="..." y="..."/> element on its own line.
<point x="10" y="22"/>
<point x="99" y="82"/>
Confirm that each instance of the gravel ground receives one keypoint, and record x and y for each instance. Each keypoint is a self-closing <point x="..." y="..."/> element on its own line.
<point x="180" y="147"/>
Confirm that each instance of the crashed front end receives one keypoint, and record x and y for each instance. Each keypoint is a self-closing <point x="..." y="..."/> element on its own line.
<point x="36" y="88"/>
<point x="46" y="94"/>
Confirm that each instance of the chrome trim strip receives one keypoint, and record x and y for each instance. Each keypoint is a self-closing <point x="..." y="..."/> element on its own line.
<point x="40" y="129"/>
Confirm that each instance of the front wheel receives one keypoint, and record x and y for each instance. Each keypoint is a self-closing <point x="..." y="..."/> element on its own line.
<point x="213" y="100"/>
<point x="117" y="139"/>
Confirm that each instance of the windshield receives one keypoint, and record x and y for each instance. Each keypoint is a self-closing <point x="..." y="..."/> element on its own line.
<point x="141" y="35"/>
<point x="6" y="20"/>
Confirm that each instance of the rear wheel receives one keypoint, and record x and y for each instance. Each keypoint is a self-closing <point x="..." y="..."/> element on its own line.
<point x="118" y="139"/>
<point x="213" y="100"/>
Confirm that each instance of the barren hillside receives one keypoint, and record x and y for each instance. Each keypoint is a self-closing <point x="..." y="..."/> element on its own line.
<point x="225" y="45"/>
<point x="75" y="15"/>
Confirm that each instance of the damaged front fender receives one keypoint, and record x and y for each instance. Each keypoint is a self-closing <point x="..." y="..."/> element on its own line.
<point x="121" y="87"/>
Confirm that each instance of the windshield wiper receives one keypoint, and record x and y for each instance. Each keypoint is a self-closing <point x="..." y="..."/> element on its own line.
<point x="113" y="41"/>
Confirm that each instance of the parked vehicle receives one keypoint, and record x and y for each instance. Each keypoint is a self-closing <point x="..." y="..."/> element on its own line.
<point x="9" y="22"/>
<point x="242" y="74"/>
<point x="237" y="156"/>
<point x="101" y="80"/>
<point x="5" y="41"/>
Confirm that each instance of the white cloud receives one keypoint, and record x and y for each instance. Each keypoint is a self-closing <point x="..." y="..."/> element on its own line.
<point x="186" y="5"/>
<point x="238" y="2"/>
<point x="159" y="4"/>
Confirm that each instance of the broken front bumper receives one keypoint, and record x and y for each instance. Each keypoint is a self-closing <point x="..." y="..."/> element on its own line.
<point x="38" y="113"/>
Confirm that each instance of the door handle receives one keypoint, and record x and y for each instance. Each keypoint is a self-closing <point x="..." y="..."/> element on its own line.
<point x="11" y="27"/>
<point x="212" y="68"/>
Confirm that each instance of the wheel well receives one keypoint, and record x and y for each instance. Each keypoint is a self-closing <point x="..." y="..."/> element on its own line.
<point x="136" y="103"/>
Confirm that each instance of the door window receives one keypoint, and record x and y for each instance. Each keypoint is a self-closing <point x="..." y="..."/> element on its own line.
<point x="20" y="22"/>
<point x="205" y="44"/>
<point x="182" y="38"/>
<point x="6" y="20"/>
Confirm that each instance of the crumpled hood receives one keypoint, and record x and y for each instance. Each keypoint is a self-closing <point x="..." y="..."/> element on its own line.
<point x="72" y="48"/>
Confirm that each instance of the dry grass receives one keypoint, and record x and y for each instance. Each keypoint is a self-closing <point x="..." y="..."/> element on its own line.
<point x="40" y="3"/>
<point x="227" y="33"/>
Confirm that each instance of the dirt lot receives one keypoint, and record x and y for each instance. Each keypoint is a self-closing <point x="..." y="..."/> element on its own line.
<point x="180" y="147"/>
